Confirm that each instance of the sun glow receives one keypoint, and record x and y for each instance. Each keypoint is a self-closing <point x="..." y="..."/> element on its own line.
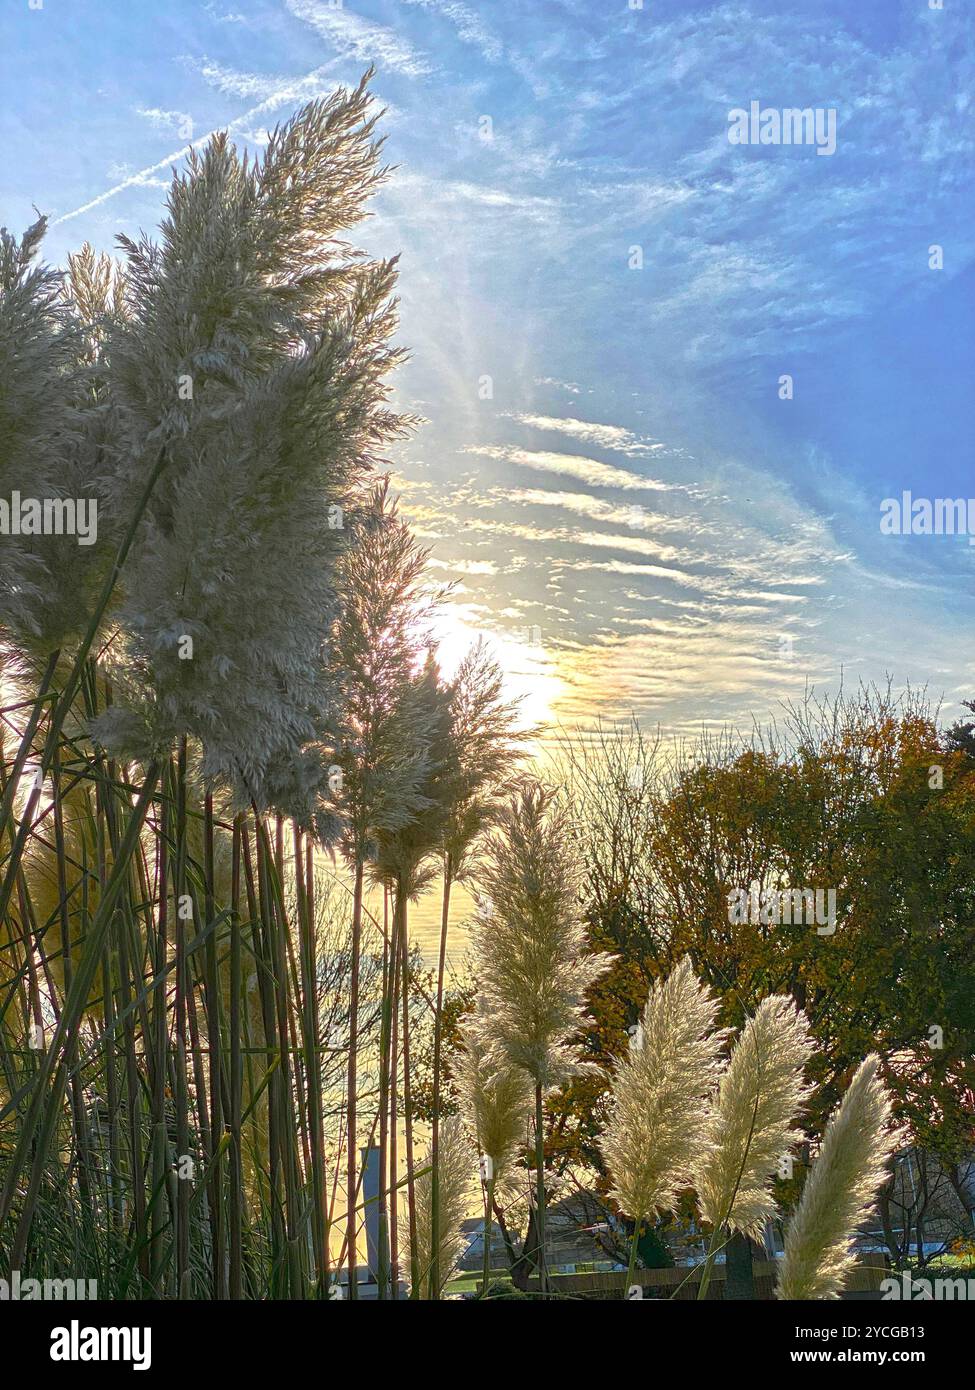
<point x="530" y="670"/>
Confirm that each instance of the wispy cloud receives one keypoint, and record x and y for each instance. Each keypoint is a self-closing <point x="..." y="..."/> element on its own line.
<point x="355" y="37"/>
<point x="465" y="566"/>
<point x="587" y="470"/>
<point x="248" y="85"/>
<point x="595" y="508"/>
<point x="469" y="24"/>
<point x="165" y="120"/>
<point x="419" y="198"/>
<point x="612" y="437"/>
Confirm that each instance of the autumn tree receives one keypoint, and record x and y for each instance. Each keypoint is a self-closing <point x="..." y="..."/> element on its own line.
<point x="863" y="795"/>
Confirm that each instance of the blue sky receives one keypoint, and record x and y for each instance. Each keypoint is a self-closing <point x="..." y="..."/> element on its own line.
<point x="632" y="486"/>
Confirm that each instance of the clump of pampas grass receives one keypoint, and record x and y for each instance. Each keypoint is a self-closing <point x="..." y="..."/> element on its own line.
<point x="840" y="1190"/>
<point x="673" y="1123"/>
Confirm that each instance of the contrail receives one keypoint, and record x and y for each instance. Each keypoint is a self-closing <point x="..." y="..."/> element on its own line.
<point x="277" y="98"/>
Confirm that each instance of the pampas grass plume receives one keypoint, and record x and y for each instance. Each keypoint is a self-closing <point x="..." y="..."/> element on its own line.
<point x="752" y="1123"/>
<point x="840" y="1190"/>
<point x="659" y="1104"/>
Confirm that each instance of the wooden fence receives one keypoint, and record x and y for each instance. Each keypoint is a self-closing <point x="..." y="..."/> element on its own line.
<point x="863" y="1282"/>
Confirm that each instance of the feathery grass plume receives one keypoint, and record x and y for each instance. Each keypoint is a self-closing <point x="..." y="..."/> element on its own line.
<point x="658" y="1109"/>
<point x="496" y="1100"/>
<point x="253" y="359"/>
<point x="457" y="1167"/>
<point x="752" y="1122"/>
<point x="482" y="728"/>
<point x="46" y="456"/>
<point x="31" y="406"/>
<point x="533" y="962"/>
<point x="374" y="648"/>
<point x="403" y="857"/>
<point x="531" y="957"/>
<point x="840" y="1190"/>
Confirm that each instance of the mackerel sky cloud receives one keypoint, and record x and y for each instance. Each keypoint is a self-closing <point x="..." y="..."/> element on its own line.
<point x="602" y="295"/>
